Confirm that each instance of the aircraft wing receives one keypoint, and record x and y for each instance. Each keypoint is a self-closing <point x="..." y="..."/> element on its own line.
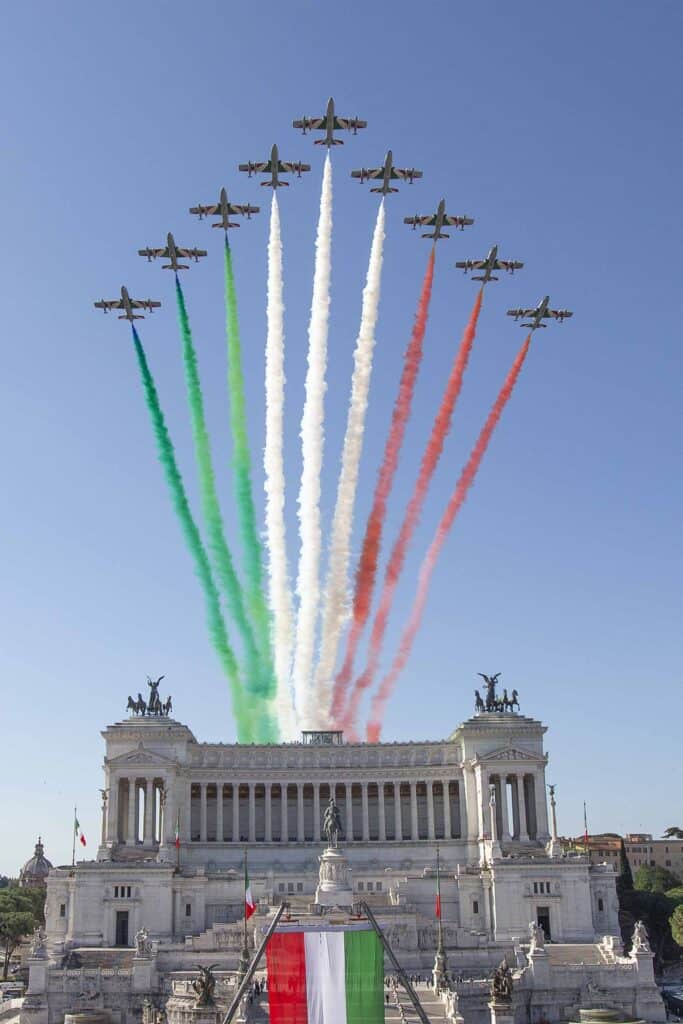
<point x="109" y="304"/>
<point x="472" y="264"/>
<point x="242" y="211"/>
<point x="521" y="312"/>
<point x="205" y="211"/>
<point x="371" y="172"/>
<point x="427" y="221"/>
<point x="149" y="304"/>
<point x="459" y="222"/>
<point x="558" y="314"/>
<point x="404" y="174"/>
<point x="190" y="253"/>
<point x="349" y="123"/>
<point x="257" y="168"/>
<point x="292" y="168"/>
<point x="508" y="265"/>
<point x="310" y="123"/>
<point x="153" y="252"/>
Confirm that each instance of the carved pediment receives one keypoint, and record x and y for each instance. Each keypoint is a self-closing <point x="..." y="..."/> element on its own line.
<point x="142" y="757"/>
<point x="509" y="754"/>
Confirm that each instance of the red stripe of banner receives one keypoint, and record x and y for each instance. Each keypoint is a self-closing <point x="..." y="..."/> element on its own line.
<point x="286" y="962"/>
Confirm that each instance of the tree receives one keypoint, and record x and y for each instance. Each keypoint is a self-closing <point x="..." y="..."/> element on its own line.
<point x="655" y="910"/>
<point x="673" y="832"/>
<point x="654" y="879"/>
<point x="676" y="922"/>
<point x="625" y="877"/>
<point x="20" y="914"/>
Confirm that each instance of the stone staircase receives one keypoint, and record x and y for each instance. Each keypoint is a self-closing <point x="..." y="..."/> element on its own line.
<point x="102" y="957"/>
<point x="577" y="954"/>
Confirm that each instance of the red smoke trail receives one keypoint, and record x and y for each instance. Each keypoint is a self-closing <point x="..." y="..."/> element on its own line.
<point x="430" y="460"/>
<point x="367" y="565"/>
<point x="458" y="497"/>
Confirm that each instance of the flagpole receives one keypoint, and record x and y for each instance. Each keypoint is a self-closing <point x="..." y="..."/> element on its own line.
<point x="244" y="956"/>
<point x="177" y="845"/>
<point x="73" y="845"/>
<point x="439" y="973"/>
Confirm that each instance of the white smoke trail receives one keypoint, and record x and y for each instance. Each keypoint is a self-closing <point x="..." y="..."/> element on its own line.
<point x="336" y="597"/>
<point x="312" y="442"/>
<point x="280" y="597"/>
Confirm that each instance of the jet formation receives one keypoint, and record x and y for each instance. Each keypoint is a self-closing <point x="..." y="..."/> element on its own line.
<point x="173" y="252"/>
<point x="225" y="210"/>
<point x="388" y="172"/>
<point x="128" y="305"/>
<point x="539" y="313"/>
<point x="275" y="167"/>
<point x="437" y="221"/>
<point x="329" y="123"/>
<point x="488" y="265"/>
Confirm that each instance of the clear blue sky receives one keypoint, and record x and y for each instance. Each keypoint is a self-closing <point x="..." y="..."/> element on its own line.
<point x="557" y="126"/>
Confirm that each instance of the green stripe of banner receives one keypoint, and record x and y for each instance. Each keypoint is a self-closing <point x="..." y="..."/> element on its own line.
<point x="364" y="967"/>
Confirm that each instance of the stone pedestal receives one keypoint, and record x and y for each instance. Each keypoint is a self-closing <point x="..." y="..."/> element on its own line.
<point x="87" y="1017"/>
<point x="334" y="888"/>
<point x="501" y="1013"/>
<point x="179" y="1014"/>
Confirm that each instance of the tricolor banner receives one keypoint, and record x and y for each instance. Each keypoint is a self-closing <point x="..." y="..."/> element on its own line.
<point x="325" y="976"/>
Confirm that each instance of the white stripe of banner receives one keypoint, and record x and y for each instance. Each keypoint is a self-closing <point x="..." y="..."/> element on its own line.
<point x="325" y="977"/>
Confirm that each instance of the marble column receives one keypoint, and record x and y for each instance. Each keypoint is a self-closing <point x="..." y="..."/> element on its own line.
<point x="398" y="831"/>
<point x="131" y="832"/>
<point x="219" y="812"/>
<point x="202" y="812"/>
<point x="447" y="827"/>
<point x="366" y="814"/>
<point x="300" y="832"/>
<point x="521" y="804"/>
<point x="284" y="816"/>
<point x="541" y="806"/>
<point x="462" y="810"/>
<point x="112" y="835"/>
<point x="381" y="813"/>
<point x="235" y="812"/>
<point x="348" y="800"/>
<point x="148" y="827"/>
<point x="316" y="812"/>
<point x="414" y="833"/>
<point x="503" y="790"/>
<point x="431" y="834"/>
<point x="268" y="834"/>
<point x="252" y="812"/>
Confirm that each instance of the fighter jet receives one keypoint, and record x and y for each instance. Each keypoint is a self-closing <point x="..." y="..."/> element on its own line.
<point x="387" y="173"/>
<point x="127" y="304"/>
<point x="275" y="167"/>
<point x="539" y="313"/>
<point x="437" y="221"/>
<point x="172" y="252"/>
<point x="488" y="265"/>
<point x="224" y="209"/>
<point x="329" y="123"/>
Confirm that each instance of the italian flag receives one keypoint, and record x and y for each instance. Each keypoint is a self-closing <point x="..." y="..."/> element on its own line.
<point x="325" y="977"/>
<point x="249" y="902"/>
<point x="78" y="832"/>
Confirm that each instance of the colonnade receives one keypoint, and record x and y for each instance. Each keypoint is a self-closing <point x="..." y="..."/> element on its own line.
<point x="268" y="812"/>
<point x="136" y="810"/>
<point x="518" y="813"/>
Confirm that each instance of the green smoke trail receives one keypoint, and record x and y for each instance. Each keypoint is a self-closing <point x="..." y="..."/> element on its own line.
<point x="256" y="600"/>
<point x="258" y="675"/>
<point x="193" y="539"/>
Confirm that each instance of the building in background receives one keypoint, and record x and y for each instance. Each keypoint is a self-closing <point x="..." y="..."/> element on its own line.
<point x="34" y="873"/>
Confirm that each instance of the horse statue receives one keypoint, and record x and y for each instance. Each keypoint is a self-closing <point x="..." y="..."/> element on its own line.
<point x="478" y="702"/>
<point x="167" y="706"/>
<point x="142" y="704"/>
<point x="138" y="707"/>
<point x="514" y="701"/>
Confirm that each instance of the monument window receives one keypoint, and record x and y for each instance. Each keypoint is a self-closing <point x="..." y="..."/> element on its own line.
<point x="601" y="904"/>
<point x="361" y="887"/>
<point x="370" y="886"/>
<point x="290" y="886"/>
<point x="281" y="887"/>
<point x="299" y="886"/>
<point x="62" y="909"/>
<point x="378" y="886"/>
<point x="475" y="906"/>
<point x="188" y="910"/>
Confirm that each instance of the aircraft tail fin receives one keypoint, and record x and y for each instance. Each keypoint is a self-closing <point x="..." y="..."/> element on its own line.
<point x="328" y="142"/>
<point x="220" y="224"/>
<point x="383" y="189"/>
<point x="179" y="266"/>
<point x="133" y="316"/>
